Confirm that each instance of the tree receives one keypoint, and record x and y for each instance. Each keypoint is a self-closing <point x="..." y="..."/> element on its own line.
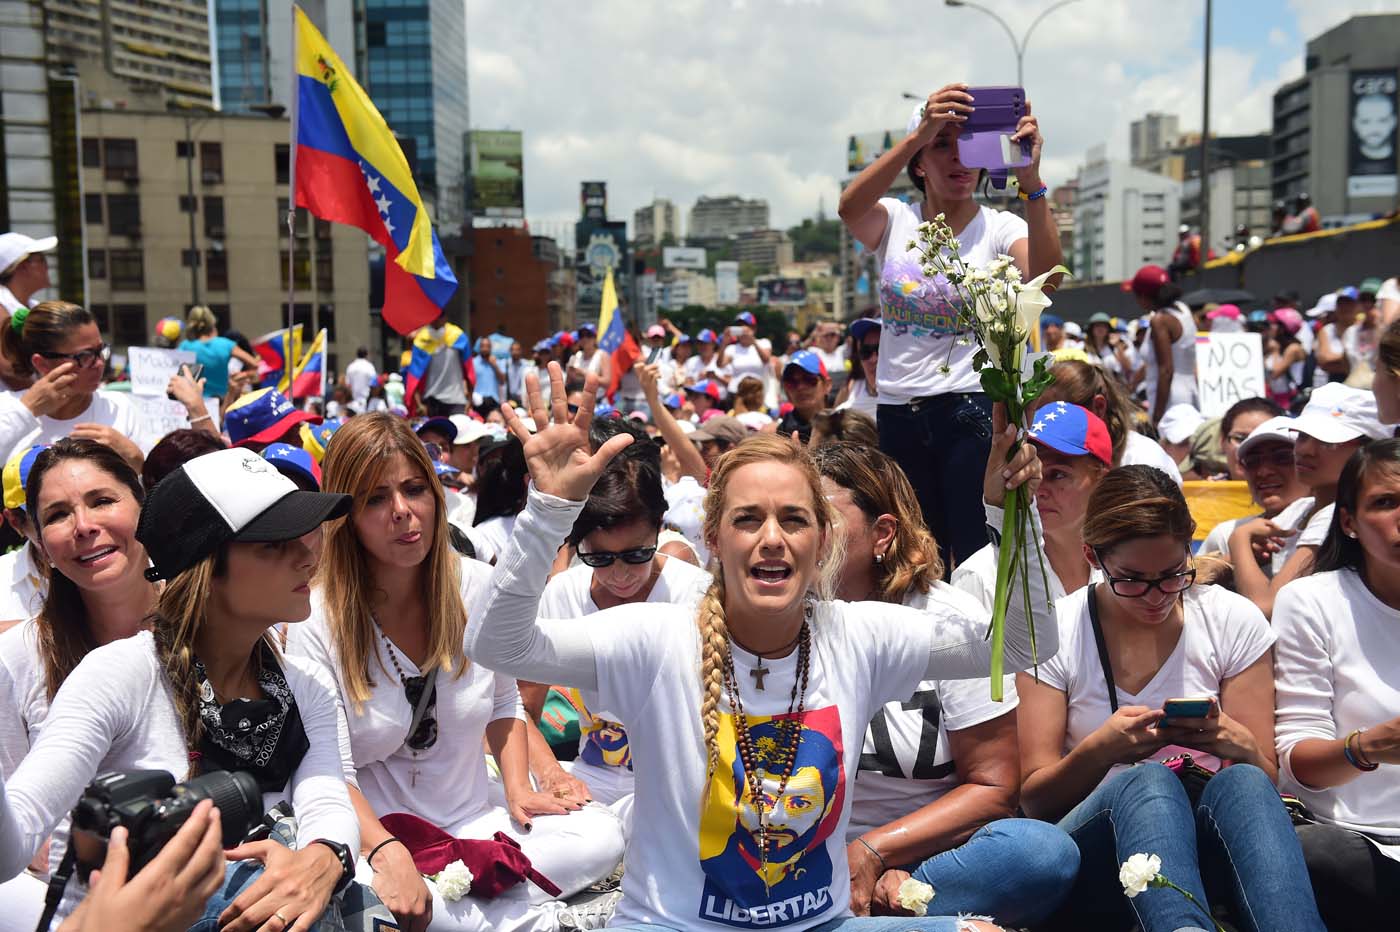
<point x="815" y="239"/>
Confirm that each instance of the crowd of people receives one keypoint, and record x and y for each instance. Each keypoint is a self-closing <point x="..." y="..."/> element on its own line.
<point x="510" y="641"/>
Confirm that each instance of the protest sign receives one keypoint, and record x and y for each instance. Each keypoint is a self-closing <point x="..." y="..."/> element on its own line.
<point x="1229" y="367"/>
<point x="152" y="367"/>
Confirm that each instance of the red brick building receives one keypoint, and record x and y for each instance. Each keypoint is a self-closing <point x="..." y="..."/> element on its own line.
<point x="510" y="284"/>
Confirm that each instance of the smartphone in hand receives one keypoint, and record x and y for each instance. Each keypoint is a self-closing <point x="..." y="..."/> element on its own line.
<point x="1194" y="707"/>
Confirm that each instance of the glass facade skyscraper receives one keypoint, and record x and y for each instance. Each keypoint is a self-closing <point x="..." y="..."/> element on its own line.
<point x="241" y="29"/>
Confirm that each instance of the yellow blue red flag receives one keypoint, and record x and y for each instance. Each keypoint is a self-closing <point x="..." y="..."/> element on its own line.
<point x="350" y="169"/>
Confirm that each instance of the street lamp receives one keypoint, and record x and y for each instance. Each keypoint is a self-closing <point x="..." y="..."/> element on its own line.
<point x="1019" y="47"/>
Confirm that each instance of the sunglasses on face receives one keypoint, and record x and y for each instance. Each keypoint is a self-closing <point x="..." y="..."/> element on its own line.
<point x="426" y="734"/>
<point x="1131" y="587"/>
<point x="601" y="558"/>
<point x="805" y="381"/>
<point x="83" y="358"/>
<point x="868" y="350"/>
<point x="1281" y="458"/>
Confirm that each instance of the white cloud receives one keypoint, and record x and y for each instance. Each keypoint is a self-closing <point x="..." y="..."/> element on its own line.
<point x="1317" y="16"/>
<point x="692" y="97"/>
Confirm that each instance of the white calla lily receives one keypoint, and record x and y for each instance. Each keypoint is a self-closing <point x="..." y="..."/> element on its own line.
<point x="1031" y="300"/>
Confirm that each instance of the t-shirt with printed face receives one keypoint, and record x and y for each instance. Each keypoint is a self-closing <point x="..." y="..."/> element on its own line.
<point x="920" y="332"/>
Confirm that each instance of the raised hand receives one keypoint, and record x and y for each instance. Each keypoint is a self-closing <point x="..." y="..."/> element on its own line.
<point x="51" y="392"/>
<point x="558" y="455"/>
<point x="1023" y="468"/>
<point x="1029" y="128"/>
<point x="949" y="104"/>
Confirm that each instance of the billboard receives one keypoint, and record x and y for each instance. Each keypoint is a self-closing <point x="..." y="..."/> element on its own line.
<point x="864" y="148"/>
<point x="683" y="257"/>
<point x="782" y="291"/>
<point x="1371" y="162"/>
<point x="497" y="173"/>
<point x="727" y="282"/>
<point x="593" y="200"/>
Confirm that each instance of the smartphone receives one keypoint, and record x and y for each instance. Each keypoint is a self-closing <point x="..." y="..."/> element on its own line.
<point x="194" y="371"/>
<point x="735" y="331"/>
<point x="1195" y="707"/>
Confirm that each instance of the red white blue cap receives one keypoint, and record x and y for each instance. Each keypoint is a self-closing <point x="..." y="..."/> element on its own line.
<point x="746" y="318"/>
<point x="262" y="417"/>
<point x="808" y="362"/>
<point x="707" y="336"/>
<point x="1072" y="430"/>
<point x="707" y="387"/>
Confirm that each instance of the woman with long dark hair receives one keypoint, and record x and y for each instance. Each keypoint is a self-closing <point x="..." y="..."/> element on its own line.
<point x="501" y="483"/>
<point x="934" y="419"/>
<point x="1338" y="722"/>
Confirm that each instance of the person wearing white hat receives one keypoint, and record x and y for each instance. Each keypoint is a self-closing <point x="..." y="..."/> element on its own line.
<point x="1266" y="459"/>
<point x="1176" y="429"/>
<point x="24" y="272"/>
<point x="1336" y="423"/>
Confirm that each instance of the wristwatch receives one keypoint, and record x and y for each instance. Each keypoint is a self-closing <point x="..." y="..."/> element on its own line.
<point x="346" y="859"/>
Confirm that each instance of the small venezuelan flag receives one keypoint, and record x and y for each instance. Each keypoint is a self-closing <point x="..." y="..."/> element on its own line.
<point x="310" y="377"/>
<point x="277" y="354"/>
<point x="350" y="169"/>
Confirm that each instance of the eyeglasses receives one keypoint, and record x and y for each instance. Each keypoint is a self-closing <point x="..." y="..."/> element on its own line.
<point x="1252" y="461"/>
<point x="83" y="358"/>
<point x="600" y="558"/>
<point x="426" y="734"/>
<point x="1237" y="438"/>
<point x="869" y="349"/>
<point x="1131" y="587"/>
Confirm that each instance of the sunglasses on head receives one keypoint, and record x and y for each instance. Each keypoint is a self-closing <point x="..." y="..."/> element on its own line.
<point x="426" y="734"/>
<point x="601" y="558"/>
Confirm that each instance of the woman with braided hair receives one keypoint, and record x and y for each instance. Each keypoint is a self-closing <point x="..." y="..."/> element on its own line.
<point x="746" y="713"/>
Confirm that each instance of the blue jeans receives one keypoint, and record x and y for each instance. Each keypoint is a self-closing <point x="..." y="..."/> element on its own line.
<point x="1017" y="871"/>
<point x="942" y="444"/>
<point x="859" y="924"/>
<point x="1239" y="837"/>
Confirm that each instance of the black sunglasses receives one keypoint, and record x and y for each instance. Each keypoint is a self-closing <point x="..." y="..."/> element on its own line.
<point x="601" y="558"/>
<point x="1131" y="587"/>
<point x="83" y="358"/>
<point x="1282" y="458"/>
<point x="869" y="349"/>
<point x="426" y="734"/>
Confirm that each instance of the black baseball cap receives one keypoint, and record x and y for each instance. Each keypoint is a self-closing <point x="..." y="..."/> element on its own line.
<point x="225" y="496"/>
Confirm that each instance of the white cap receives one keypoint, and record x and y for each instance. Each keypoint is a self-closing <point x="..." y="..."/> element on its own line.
<point x="1275" y="428"/>
<point x="15" y="246"/>
<point x="1327" y="304"/>
<point x="469" y="429"/>
<point x="754" y="420"/>
<point x="1074" y="330"/>
<point x="1336" y="414"/>
<point x="1179" y="423"/>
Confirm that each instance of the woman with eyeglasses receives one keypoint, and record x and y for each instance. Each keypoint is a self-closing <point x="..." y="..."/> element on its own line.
<point x="1094" y="729"/>
<point x="390" y="609"/>
<point x="861" y="391"/>
<point x="1236" y="424"/>
<point x="1338" y="731"/>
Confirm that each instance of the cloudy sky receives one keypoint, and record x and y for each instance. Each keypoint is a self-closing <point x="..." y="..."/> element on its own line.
<point x="681" y="98"/>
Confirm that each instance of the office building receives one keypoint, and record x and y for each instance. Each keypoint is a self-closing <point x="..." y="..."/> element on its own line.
<point x="164" y="43"/>
<point x="766" y="250"/>
<point x="510" y="274"/>
<point x="721" y="217"/>
<point x="1334" y="130"/>
<point x="1151" y="137"/>
<point x="1240" y="196"/>
<point x="687" y="288"/>
<point x="253" y="48"/>
<point x="1124" y="218"/>
<point x="169" y="222"/>
<point x="859" y="277"/>
<point x="655" y="222"/>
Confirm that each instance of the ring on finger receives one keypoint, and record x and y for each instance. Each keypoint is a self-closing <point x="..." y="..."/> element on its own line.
<point x="280" y="917"/>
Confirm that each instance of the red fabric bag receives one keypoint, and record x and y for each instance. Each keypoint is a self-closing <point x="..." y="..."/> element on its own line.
<point x="497" y="864"/>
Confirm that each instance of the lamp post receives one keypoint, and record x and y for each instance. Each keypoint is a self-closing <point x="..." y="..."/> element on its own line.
<point x="1205" y="148"/>
<point x="1018" y="46"/>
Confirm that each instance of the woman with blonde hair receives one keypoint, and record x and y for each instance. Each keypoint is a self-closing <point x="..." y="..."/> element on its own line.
<point x="745" y="712"/>
<point x="391" y="608"/>
<point x="205" y="690"/>
<point x="939" y="775"/>
<point x="212" y="351"/>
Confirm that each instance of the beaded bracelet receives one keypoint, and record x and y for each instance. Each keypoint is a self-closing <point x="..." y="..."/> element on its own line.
<point x="1356" y="758"/>
<point x="1034" y="196"/>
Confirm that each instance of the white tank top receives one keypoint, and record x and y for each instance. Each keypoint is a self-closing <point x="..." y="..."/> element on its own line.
<point x="1183" y="388"/>
<point x="745" y="360"/>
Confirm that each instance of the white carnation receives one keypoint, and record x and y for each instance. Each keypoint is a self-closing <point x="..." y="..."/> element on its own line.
<point x="914" y="896"/>
<point x="454" y="881"/>
<point x="1138" y="872"/>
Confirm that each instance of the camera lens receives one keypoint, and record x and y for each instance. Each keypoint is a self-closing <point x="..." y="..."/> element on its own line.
<point x="235" y="794"/>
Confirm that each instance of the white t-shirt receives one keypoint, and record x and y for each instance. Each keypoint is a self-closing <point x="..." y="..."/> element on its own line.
<point x="835" y="362"/>
<point x="1218" y="540"/>
<point x="20" y="430"/>
<point x="1222" y="635"/>
<point x="697" y="369"/>
<point x="977" y="575"/>
<point x="1142" y="450"/>
<point x="906" y="761"/>
<point x="1335" y="671"/>
<point x="1315" y="531"/>
<point x="360" y="376"/>
<point x="920" y="322"/>
<point x="115" y="712"/>
<point x="445" y="784"/>
<point x="22" y="588"/>
<point x="604" y="760"/>
<point x="490" y="536"/>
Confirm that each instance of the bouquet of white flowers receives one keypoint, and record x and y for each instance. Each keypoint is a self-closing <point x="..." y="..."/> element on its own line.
<point x="1001" y="312"/>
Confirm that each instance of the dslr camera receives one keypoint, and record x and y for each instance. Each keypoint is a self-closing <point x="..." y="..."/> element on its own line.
<point x="153" y="807"/>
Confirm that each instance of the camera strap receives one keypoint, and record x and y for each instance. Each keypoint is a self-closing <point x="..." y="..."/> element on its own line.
<point x="57" y="884"/>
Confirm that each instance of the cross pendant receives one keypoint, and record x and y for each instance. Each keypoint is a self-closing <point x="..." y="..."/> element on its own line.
<point x="413" y="776"/>
<point x="758" y="673"/>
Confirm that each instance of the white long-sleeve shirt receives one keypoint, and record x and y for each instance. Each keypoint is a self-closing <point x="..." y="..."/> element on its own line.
<point x="1336" y="669"/>
<point x="115" y="712"/>
<point x="688" y="868"/>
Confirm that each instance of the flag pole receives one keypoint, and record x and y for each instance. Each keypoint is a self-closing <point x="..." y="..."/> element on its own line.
<point x="292" y="206"/>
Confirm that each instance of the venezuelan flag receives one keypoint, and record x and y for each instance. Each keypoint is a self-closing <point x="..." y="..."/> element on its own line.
<point x="426" y="345"/>
<point x="310" y="376"/>
<point x="350" y="169"/>
<point x="613" y="336"/>
<point x="277" y="352"/>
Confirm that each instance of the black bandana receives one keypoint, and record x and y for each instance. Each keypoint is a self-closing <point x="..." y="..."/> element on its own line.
<point x="262" y="737"/>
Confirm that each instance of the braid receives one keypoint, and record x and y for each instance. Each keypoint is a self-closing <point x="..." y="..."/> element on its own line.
<point x="714" y="641"/>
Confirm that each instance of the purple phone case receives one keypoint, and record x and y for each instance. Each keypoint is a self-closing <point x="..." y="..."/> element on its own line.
<point x="996" y="111"/>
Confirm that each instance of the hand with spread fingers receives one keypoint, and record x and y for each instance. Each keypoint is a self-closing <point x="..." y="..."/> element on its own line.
<point x="558" y="454"/>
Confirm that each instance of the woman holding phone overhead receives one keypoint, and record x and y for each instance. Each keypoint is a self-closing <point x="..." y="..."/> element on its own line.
<point x="934" y="420"/>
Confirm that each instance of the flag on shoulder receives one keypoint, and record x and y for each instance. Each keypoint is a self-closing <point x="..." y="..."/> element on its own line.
<point x="351" y="170"/>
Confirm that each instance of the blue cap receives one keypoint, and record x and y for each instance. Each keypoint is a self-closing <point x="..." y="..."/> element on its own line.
<point x="673" y="401"/>
<point x="440" y="425"/>
<point x="1072" y="430"/>
<point x="1051" y="320"/>
<point x="293" y="462"/>
<point x="604" y="409"/>
<point x="707" y="336"/>
<point x="1349" y="292"/>
<point x="263" y="416"/>
<point x="808" y="361"/>
<point x="1259" y="316"/>
<point x="859" y="328"/>
<point x="746" y="318"/>
<point x="542" y="345"/>
<point x="441" y="469"/>
<point x="683" y="338"/>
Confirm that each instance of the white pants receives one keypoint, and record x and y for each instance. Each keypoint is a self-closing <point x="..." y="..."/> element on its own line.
<point x="21" y="903"/>
<point x="574" y="851"/>
<point x="611" y="786"/>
